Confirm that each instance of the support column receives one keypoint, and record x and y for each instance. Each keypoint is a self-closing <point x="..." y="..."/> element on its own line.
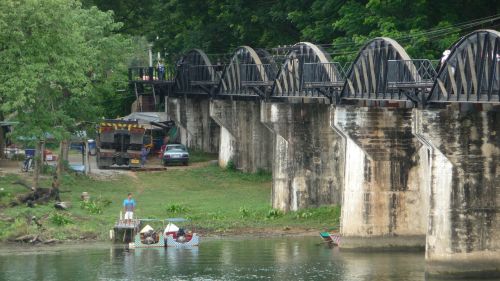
<point x="386" y="179"/>
<point x="244" y="139"/>
<point x="197" y="130"/>
<point x="308" y="156"/>
<point x="463" y="238"/>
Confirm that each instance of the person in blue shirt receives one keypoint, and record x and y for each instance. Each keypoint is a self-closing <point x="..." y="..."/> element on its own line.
<point x="129" y="207"/>
<point x="161" y="70"/>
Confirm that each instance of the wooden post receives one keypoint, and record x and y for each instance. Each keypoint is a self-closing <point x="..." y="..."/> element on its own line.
<point x="87" y="158"/>
<point x="2" y="140"/>
<point x="60" y="160"/>
<point x="65" y="150"/>
<point x="38" y="163"/>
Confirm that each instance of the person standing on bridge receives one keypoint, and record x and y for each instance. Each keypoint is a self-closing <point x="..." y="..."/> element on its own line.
<point x="445" y="56"/>
<point x="129" y="208"/>
<point x="161" y="70"/>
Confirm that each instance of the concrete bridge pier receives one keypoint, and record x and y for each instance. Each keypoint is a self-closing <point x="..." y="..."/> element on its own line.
<point x="197" y="130"/>
<point x="308" y="156"/>
<point x="244" y="139"/>
<point x="385" y="202"/>
<point x="463" y="238"/>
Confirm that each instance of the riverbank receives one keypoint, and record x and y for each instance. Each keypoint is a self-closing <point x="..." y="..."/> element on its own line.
<point x="218" y="202"/>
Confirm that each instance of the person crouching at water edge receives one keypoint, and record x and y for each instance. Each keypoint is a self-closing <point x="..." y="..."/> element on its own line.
<point x="129" y="207"/>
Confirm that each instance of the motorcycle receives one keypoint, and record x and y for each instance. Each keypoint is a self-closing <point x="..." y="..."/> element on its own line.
<point x="28" y="164"/>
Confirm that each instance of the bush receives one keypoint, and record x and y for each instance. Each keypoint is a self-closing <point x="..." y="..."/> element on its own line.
<point x="274" y="214"/>
<point x="48" y="169"/>
<point x="231" y="166"/>
<point x="60" y="219"/>
<point x="244" y="212"/>
<point x="303" y="214"/>
<point x="95" y="207"/>
<point x="176" y="208"/>
<point x="91" y="206"/>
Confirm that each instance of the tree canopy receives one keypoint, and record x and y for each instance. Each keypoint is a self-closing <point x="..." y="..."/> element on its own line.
<point x="424" y="27"/>
<point x="58" y="61"/>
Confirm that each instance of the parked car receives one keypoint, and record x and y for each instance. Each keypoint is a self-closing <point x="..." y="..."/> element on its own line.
<point x="175" y="153"/>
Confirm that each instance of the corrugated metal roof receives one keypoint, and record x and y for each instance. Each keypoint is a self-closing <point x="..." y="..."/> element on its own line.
<point x="8" y="123"/>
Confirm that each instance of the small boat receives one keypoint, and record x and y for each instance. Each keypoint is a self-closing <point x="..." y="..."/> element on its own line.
<point x="330" y="238"/>
<point x="172" y="236"/>
<point x="179" y="237"/>
<point x="148" y="238"/>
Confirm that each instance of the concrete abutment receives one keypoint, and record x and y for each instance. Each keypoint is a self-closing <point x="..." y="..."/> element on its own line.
<point x="244" y="139"/>
<point x="308" y="156"/>
<point x="197" y="129"/>
<point x="385" y="202"/>
<point x="463" y="237"/>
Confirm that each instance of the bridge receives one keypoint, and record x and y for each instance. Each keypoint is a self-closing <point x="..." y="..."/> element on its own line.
<point x="409" y="147"/>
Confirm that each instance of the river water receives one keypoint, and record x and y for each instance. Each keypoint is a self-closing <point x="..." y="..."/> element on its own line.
<point x="291" y="258"/>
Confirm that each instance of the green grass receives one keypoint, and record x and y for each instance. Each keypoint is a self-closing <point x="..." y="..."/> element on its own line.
<point x="200" y="156"/>
<point x="216" y="200"/>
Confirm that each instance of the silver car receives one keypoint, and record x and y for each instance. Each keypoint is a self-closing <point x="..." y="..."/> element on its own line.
<point x="175" y="153"/>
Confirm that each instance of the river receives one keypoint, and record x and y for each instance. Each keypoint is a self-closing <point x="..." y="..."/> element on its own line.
<point x="291" y="258"/>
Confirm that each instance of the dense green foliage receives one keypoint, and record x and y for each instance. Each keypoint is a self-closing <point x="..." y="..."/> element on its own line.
<point x="424" y="27"/>
<point x="61" y="65"/>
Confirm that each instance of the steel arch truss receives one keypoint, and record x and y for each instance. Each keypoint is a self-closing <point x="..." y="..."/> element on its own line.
<point x="250" y="73"/>
<point x="307" y="73"/>
<point x="384" y="71"/>
<point x="471" y="72"/>
<point x="196" y="74"/>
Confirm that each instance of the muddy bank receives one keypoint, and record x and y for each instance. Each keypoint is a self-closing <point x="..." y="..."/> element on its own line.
<point x="13" y="247"/>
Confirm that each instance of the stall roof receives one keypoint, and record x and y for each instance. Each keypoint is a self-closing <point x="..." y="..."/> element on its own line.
<point x="8" y="123"/>
<point x="147" y="117"/>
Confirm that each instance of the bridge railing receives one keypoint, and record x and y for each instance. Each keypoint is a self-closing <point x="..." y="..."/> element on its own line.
<point x="411" y="73"/>
<point x="147" y="73"/>
<point x="322" y="75"/>
<point x="257" y="74"/>
<point x="204" y="74"/>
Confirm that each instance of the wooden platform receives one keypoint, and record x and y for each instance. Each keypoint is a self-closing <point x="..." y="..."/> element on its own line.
<point x="122" y="224"/>
<point x="124" y="232"/>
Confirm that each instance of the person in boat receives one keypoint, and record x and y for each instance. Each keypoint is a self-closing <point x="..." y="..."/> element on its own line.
<point x="129" y="207"/>
<point x="181" y="235"/>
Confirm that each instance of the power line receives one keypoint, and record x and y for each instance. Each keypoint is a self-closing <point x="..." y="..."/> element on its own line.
<point x="346" y="48"/>
<point x="446" y="30"/>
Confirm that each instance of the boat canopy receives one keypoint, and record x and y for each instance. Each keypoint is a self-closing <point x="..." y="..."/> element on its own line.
<point x="176" y="220"/>
<point x="171" y="228"/>
<point x="146" y="229"/>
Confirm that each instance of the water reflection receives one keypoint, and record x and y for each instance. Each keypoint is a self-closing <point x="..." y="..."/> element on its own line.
<point x="383" y="266"/>
<point x="251" y="259"/>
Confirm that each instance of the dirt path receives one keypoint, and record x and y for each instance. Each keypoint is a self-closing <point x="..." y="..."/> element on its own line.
<point x="10" y="167"/>
<point x="14" y="167"/>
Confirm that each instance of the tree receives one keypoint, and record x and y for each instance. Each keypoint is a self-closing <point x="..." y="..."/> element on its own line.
<point x="55" y="55"/>
<point x="343" y="26"/>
